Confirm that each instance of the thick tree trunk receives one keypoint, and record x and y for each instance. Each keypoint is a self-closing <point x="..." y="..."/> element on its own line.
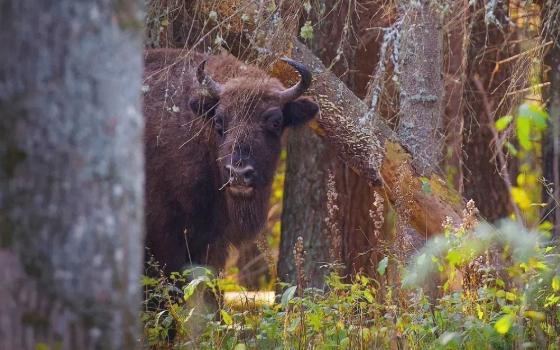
<point x="483" y="176"/>
<point x="552" y="143"/>
<point x="421" y="94"/>
<point x="304" y="204"/>
<point x="71" y="174"/>
<point x="353" y="242"/>
<point x="304" y="209"/>
<point x="421" y="83"/>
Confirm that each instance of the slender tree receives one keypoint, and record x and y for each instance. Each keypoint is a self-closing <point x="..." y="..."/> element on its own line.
<point x="484" y="99"/>
<point x="71" y="174"/>
<point x="551" y="16"/>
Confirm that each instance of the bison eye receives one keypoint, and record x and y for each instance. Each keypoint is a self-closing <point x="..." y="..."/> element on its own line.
<point x="219" y="125"/>
<point x="274" y="123"/>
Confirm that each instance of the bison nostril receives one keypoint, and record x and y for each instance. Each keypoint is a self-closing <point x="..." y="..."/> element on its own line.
<point x="246" y="173"/>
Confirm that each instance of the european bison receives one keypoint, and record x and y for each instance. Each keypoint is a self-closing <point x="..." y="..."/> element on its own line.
<point x="213" y="130"/>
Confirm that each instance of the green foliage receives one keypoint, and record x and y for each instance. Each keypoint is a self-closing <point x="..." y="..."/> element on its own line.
<point x="498" y="287"/>
<point x="530" y="127"/>
<point x="306" y="31"/>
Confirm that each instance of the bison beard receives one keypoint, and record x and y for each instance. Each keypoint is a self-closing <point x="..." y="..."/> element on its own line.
<point x="248" y="215"/>
<point x="210" y="119"/>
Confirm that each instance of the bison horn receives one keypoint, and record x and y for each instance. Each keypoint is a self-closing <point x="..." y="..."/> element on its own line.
<point x="213" y="87"/>
<point x="297" y="90"/>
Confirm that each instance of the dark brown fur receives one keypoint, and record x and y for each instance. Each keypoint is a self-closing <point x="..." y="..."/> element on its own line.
<point x="191" y="215"/>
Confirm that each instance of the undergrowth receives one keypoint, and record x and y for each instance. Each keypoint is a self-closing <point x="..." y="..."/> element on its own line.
<point x="474" y="287"/>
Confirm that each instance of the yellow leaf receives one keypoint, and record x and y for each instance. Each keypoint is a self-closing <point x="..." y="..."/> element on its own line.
<point x="556" y="283"/>
<point x="503" y="325"/>
<point x="521" y="197"/>
<point x="535" y="315"/>
<point x="226" y="317"/>
<point x="510" y="296"/>
<point x="479" y="311"/>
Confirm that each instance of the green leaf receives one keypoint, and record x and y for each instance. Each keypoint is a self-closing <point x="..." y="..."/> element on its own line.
<point x="426" y="187"/>
<point x="523" y="128"/>
<point x="504" y="324"/>
<point x="535" y="315"/>
<point x="511" y="148"/>
<point x="382" y="266"/>
<point x="149" y="281"/>
<point x="226" y="317"/>
<point x="240" y="346"/>
<point x="287" y="296"/>
<point x="503" y="122"/>
<point x="344" y="343"/>
<point x="556" y="283"/>
<point x="306" y="32"/>
<point x="454" y="257"/>
<point x="368" y="296"/>
<point x="191" y="287"/>
<point x="535" y="113"/>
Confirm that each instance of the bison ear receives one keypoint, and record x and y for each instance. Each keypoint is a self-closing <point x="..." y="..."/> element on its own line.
<point x="299" y="111"/>
<point x="203" y="105"/>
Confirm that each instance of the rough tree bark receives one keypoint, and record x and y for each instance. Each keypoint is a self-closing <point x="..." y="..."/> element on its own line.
<point x="421" y="83"/>
<point x="455" y="43"/>
<point x="304" y="208"/>
<point x="353" y="242"/>
<point x="374" y="152"/>
<point x="489" y="44"/>
<point x="551" y="16"/>
<point x="71" y="174"/>
<point x="421" y="96"/>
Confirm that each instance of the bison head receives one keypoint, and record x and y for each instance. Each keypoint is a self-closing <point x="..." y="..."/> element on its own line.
<point x="249" y="114"/>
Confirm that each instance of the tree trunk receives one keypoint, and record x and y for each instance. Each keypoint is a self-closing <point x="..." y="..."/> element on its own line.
<point x="304" y="209"/>
<point x="71" y="174"/>
<point x="421" y="84"/>
<point x="483" y="179"/>
<point x="552" y="141"/>
<point x="455" y="44"/>
<point x="352" y="242"/>
<point x="305" y="193"/>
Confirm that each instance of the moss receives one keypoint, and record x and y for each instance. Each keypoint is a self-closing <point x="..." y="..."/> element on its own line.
<point x="442" y="190"/>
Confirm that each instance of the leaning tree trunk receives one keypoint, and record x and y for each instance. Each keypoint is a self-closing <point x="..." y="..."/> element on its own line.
<point x="71" y="174"/>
